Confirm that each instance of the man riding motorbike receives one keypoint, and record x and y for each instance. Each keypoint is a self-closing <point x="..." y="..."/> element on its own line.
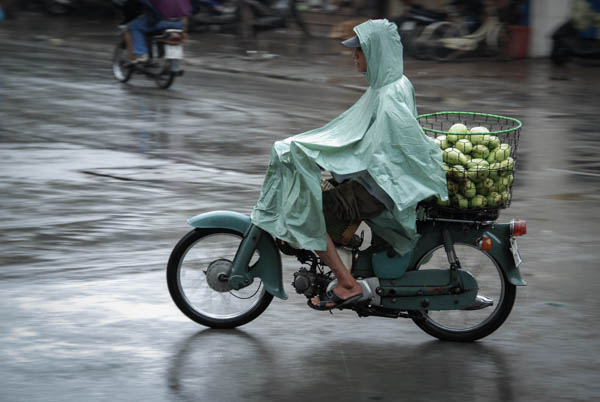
<point x="158" y="15"/>
<point x="379" y="156"/>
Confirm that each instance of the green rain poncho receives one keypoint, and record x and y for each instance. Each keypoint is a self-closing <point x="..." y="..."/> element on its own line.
<point x="378" y="134"/>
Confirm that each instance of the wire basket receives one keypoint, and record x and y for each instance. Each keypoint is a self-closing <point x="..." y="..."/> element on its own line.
<point x="480" y="163"/>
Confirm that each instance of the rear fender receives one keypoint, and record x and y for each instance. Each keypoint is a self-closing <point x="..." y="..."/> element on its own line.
<point x="268" y="266"/>
<point x="499" y="233"/>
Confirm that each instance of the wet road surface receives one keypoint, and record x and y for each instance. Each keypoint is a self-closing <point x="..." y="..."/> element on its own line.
<point x="98" y="179"/>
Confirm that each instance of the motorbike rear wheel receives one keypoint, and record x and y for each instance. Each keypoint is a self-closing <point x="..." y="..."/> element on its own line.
<point x="197" y="278"/>
<point x="469" y="325"/>
<point x="165" y="79"/>
<point x="120" y="62"/>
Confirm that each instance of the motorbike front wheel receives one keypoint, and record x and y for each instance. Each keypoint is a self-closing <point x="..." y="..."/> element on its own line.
<point x="120" y="63"/>
<point x="470" y="325"/>
<point x="197" y="278"/>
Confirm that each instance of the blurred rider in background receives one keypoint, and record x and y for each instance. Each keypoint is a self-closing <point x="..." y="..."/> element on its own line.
<point x="157" y="15"/>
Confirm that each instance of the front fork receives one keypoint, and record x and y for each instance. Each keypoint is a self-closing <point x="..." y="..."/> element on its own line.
<point x="240" y="271"/>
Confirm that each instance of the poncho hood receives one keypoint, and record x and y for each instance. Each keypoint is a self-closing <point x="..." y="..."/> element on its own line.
<point x="379" y="134"/>
<point x="380" y="43"/>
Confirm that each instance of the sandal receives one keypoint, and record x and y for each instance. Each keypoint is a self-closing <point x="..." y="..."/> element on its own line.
<point x="338" y="301"/>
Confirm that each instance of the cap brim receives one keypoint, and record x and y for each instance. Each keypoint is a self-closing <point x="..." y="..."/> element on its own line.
<point x="353" y="42"/>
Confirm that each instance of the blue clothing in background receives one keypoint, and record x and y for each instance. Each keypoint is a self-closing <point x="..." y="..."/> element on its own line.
<point x="140" y="26"/>
<point x="158" y="15"/>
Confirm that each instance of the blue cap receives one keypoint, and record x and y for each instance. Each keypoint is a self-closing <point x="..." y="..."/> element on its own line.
<point x="353" y="42"/>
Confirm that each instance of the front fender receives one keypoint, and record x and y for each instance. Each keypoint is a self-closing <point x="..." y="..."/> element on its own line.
<point x="431" y="236"/>
<point x="268" y="266"/>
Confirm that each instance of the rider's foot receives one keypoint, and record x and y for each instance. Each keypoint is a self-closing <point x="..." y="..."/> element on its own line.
<point x="342" y="293"/>
<point x="140" y="59"/>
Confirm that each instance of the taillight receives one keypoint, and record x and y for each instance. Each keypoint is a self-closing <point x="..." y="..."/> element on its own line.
<point x="518" y="228"/>
<point x="175" y="39"/>
<point x="485" y="243"/>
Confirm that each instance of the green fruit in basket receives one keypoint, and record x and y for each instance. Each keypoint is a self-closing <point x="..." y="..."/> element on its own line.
<point x="468" y="189"/>
<point x="464" y="146"/>
<point x="477" y="162"/>
<point x="507" y="166"/>
<point x="502" y="152"/>
<point x="478" y="169"/>
<point x="479" y="201"/>
<point x="510" y="178"/>
<point x="443" y="203"/>
<point x="485" y="186"/>
<point x="458" y="128"/>
<point x="500" y="185"/>
<point x="442" y="142"/>
<point x="480" y="151"/>
<point x="494" y="200"/>
<point x="453" y="138"/>
<point x="457" y="172"/>
<point x="495" y="170"/>
<point x="460" y="202"/>
<point x="446" y="167"/>
<point x="479" y="135"/>
<point x="457" y="132"/>
<point x="468" y="158"/>
<point x="505" y="197"/>
<point x="482" y="190"/>
<point x="477" y="174"/>
<point x="479" y="129"/>
<point x="488" y="183"/>
<point x="494" y="142"/>
<point x="505" y="180"/>
<point x="491" y="157"/>
<point x="453" y="156"/>
<point x="452" y="187"/>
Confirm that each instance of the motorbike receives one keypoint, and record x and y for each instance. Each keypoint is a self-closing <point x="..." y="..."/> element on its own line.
<point x="246" y="17"/>
<point x="165" y="57"/>
<point x="50" y="7"/>
<point x="569" y="43"/>
<point x="457" y="284"/>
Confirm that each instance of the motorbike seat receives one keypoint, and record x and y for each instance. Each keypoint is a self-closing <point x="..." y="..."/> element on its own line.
<point x="164" y="33"/>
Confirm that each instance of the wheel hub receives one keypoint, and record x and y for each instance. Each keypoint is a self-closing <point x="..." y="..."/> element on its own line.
<point x="217" y="275"/>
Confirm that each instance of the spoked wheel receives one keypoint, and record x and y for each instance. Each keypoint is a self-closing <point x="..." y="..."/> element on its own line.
<point x="197" y="277"/>
<point x="497" y="41"/>
<point x="164" y="73"/>
<point x="120" y="63"/>
<point x="165" y="78"/>
<point x="470" y="325"/>
<point x="439" y="49"/>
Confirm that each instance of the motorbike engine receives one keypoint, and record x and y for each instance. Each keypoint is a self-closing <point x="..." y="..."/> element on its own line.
<point x="310" y="283"/>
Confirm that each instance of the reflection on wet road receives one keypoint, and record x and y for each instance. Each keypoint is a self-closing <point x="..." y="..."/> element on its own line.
<point x="98" y="179"/>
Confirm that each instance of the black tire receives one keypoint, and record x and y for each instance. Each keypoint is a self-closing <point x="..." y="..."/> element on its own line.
<point x="121" y="71"/>
<point x="166" y="77"/>
<point x="560" y="55"/>
<point x="223" y="247"/>
<point x="507" y="293"/>
<point x="440" y="52"/>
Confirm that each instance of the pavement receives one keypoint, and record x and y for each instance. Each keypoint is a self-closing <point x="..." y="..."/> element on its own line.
<point x="98" y="179"/>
